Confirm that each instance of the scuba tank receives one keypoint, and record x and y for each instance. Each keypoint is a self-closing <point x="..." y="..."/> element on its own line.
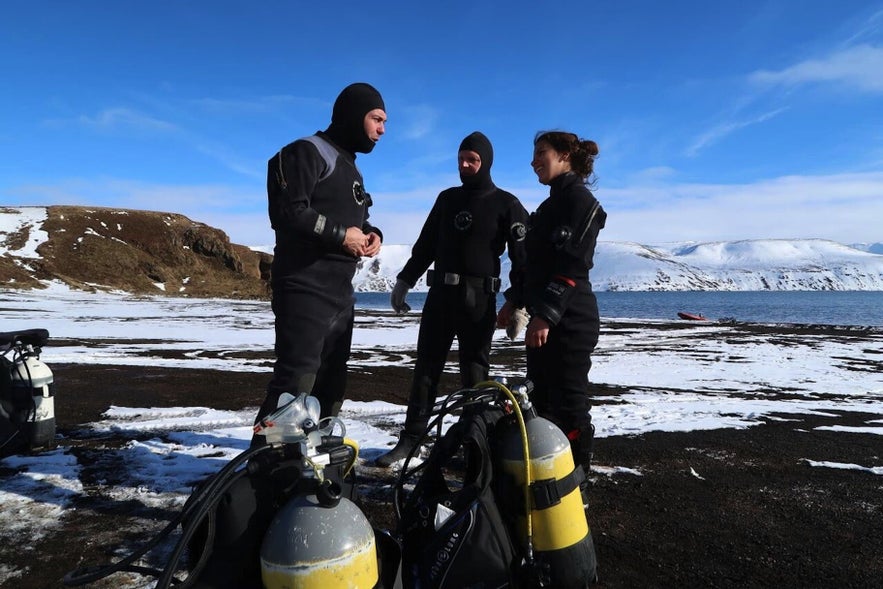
<point x="556" y="532"/>
<point x="32" y="378"/>
<point x="318" y="540"/>
<point x="274" y="517"/>
<point x="27" y="398"/>
<point x="508" y="522"/>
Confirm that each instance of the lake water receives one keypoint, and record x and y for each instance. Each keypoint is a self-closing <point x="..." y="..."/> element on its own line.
<point x="805" y="307"/>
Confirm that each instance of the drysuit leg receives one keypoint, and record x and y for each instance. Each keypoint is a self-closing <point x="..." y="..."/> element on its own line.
<point x="474" y="339"/>
<point x="330" y="385"/>
<point x="559" y="371"/>
<point x="434" y="341"/>
<point x="312" y="329"/>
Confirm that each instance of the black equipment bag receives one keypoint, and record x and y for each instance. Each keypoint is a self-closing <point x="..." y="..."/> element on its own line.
<point x="456" y="537"/>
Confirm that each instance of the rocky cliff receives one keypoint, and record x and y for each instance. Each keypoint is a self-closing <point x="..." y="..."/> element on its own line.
<point x="142" y="252"/>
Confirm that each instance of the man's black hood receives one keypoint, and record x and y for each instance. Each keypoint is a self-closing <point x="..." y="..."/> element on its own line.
<point x="347" y="127"/>
<point x="481" y="145"/>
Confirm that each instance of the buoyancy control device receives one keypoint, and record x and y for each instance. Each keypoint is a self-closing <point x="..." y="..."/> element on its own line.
<point x="27" y="393"/>
<point x="480" y="514"/>
<point x="278" y="516"/>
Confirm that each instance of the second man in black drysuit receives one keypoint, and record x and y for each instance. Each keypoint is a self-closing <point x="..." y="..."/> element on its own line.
<point x="464" y="235"/>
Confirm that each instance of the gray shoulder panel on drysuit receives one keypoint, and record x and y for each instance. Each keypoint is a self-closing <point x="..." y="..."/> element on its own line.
<point x="328" y="153"/>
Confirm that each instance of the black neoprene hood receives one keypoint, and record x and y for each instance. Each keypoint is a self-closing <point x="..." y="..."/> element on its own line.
<point x="347" y="127"/>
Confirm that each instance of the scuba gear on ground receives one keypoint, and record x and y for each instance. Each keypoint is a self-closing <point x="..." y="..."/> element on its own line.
<point x="507" y="522"/>
<point x="407" y="442"/>
<point x="258" y="522"/>
<point x="27" y="393"/>
<point x="561" y="540"/>
<point x="453" y="534"/>
<point x="320" y="539"/>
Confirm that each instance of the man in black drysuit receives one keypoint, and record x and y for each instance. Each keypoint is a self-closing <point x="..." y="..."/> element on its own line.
<point x="318" y="208"/>
<point x="464" y="235"/>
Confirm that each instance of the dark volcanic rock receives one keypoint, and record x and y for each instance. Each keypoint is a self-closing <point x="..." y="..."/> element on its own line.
<point x="142" y="252"/>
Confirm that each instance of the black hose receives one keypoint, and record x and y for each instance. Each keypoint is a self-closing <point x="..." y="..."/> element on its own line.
<point x="453" y="402"/>
<point x="204" y="498"/>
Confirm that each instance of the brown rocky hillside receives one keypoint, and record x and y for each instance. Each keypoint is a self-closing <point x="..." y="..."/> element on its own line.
<point x="142" y="252"/>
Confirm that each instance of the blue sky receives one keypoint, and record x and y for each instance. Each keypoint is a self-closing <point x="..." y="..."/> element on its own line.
<point x="716" y="121"/>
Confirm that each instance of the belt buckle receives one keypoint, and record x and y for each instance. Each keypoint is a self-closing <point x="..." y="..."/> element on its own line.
<point x="452" y="279"/>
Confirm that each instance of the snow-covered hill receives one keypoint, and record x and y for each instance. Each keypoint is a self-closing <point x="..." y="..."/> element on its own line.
<point x="762" y="264"/>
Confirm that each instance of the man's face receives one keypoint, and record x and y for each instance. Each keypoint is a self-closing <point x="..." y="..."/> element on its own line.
<point x="469" y="162"/>
<point x="374" y="124"/>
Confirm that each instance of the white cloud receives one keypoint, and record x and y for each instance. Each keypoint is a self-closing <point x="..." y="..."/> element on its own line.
<point x="418" y="121"/>
<point x="226" y="156"/>
<point x="858" y="67"/>
<point x="720" y="131"/>
<point x="123" y="118"/>
<point x="841" y="207"/>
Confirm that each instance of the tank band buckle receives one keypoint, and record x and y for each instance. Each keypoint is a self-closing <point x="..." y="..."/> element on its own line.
<point x="548" y="492"/>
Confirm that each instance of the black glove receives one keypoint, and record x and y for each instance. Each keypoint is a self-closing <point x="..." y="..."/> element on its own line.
<point x="397" y="299"/>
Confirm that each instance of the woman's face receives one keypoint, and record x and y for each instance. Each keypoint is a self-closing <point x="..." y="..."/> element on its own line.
<point x="547" y="163"/>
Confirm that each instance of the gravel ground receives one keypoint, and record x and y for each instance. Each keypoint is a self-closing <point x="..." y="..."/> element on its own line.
<point x="717" y="508"/>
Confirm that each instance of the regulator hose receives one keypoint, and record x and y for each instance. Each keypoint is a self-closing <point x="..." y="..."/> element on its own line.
<point x="525" y="444"/>
<point x="456" y="400"/>
<point x="483" y="392"/>
<point x="204" y="501"/>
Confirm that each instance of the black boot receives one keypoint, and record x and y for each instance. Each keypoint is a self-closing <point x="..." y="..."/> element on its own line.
<point x="407" y="442"/>
<point x="582" y="448"/>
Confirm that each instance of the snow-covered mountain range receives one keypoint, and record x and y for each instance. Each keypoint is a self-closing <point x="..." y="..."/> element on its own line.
<point x="31" y="238"/>
<point x="761" y="264"/>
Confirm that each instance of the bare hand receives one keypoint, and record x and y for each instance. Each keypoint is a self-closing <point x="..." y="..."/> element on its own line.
<point x="537" y="333"/>
<point x="355" y="241"/>
<point x="372" y="245"/>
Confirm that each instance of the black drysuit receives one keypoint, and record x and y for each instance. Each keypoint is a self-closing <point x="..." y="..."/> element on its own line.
<point x="465" y="234"/>
<point x="560" y="243"/>
<point x="312" y="201"/>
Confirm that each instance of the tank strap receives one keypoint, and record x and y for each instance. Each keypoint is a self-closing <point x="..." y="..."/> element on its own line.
<point x="548" y="492"/>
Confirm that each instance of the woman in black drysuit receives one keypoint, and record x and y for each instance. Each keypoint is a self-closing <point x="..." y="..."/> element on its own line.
<point x="564" y="324"/>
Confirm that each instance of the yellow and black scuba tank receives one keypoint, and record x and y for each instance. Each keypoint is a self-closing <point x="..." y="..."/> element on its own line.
<point x="556" y="535"/>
